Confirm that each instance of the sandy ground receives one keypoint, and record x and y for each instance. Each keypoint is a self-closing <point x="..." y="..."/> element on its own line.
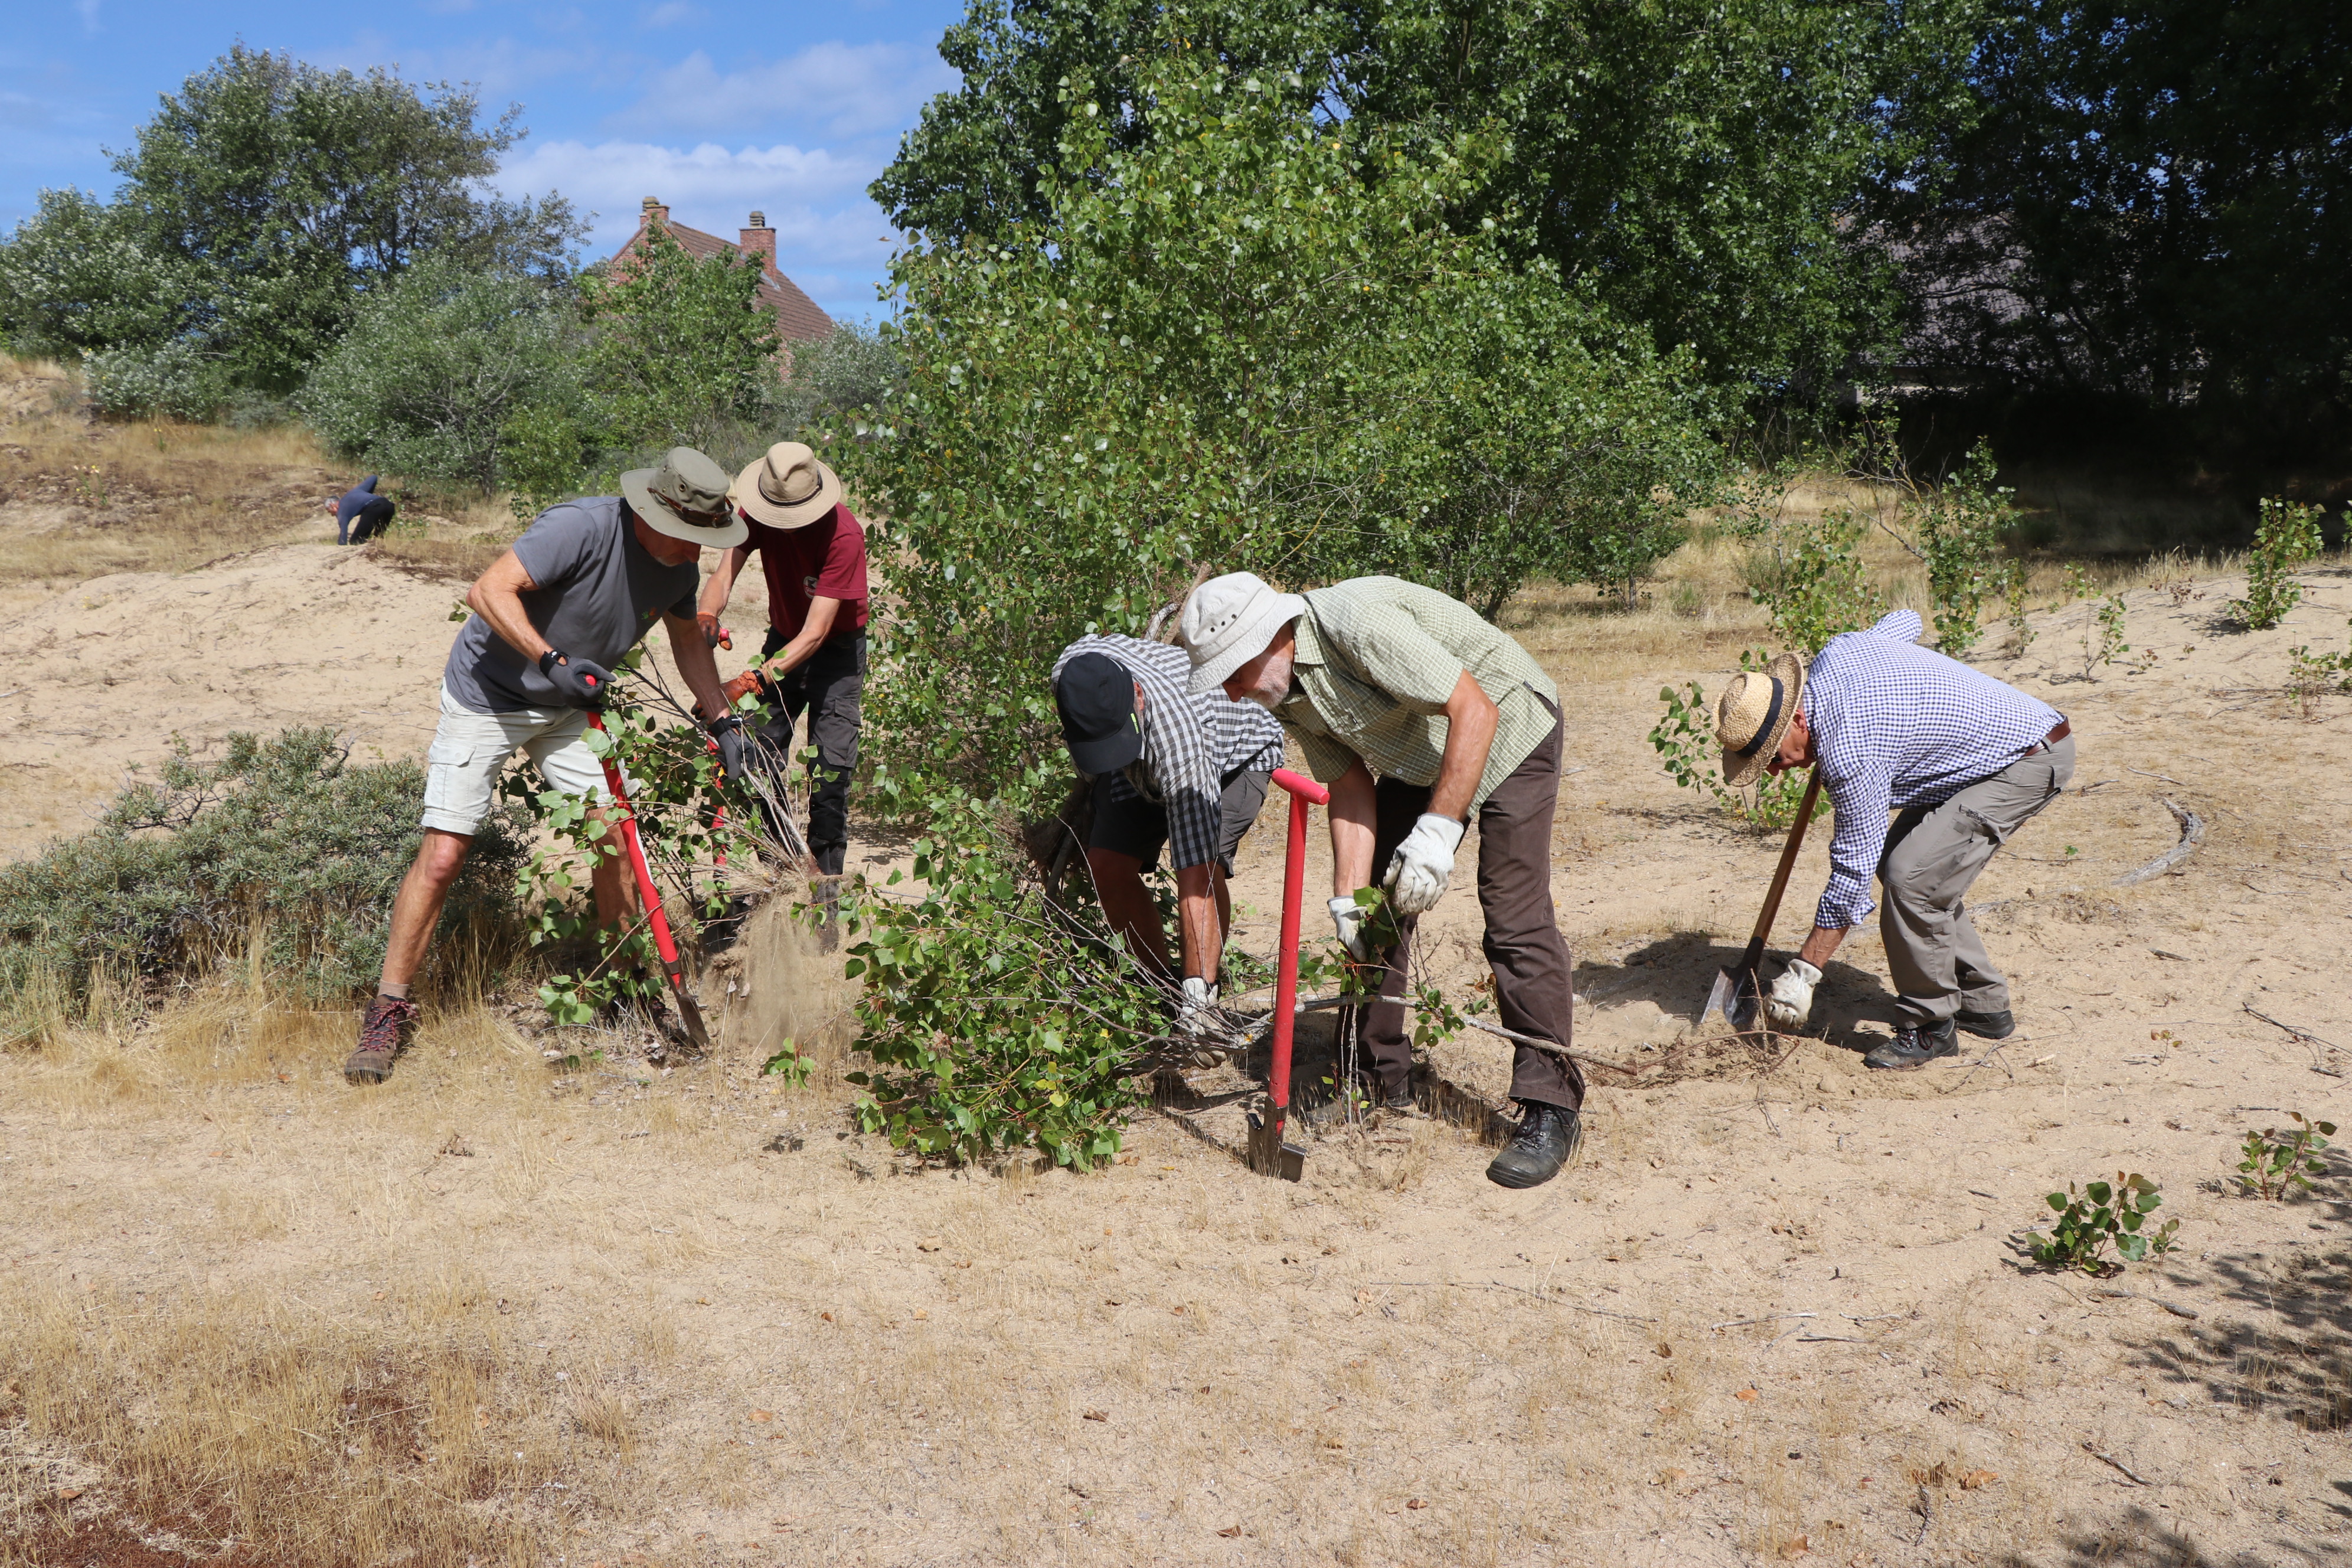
<point x="1778" y="1312"/>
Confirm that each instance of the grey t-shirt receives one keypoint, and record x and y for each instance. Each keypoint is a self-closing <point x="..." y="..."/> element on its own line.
<point x="599" y="593"/>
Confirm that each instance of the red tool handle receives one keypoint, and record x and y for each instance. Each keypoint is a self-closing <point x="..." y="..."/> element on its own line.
<point x="665" y="945"/>
<point x="1303" y="792"/>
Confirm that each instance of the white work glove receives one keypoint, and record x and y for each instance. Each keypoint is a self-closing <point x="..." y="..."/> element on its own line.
<point x="1791" y="1001"/>
<point x="1196" y="1015"/>
<point x="1348" y="916"/>
<point x="1424" y="865"/>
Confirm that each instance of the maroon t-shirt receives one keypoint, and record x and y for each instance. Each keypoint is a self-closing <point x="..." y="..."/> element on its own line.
<point x="825" y="560"/>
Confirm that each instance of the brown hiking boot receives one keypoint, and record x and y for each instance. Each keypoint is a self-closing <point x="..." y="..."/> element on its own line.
<point x="389" y="1024"/>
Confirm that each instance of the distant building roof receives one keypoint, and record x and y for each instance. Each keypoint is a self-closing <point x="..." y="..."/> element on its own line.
<point x="797" y="316"/>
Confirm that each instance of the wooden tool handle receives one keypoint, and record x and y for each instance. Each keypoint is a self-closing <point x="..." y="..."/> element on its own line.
<point x="1771" y="909"/>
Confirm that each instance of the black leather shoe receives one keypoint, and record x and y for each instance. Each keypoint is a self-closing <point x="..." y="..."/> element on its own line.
<point x="1546" y="1140"/>
<point x="1987" y="1026"/>
<point x="1913" y="1047"/>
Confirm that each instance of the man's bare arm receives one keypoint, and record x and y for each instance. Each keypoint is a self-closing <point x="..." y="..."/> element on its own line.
<point x="1470" y="722"/>
<point x="813" y="631"/>
<point x="1196" y="917"/>
<point x="1820" y="945"/>
<point x="692" y="651"/>
<point x="497" y="597"/>
<point x="1354" y="813"/>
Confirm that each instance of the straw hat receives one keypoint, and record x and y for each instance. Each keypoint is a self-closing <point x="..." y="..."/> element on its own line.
<point x="1754" y="713"/>
<point x="1228" y="621"/>
<point x="788" y="488"/>
<point x="686" y="498"/>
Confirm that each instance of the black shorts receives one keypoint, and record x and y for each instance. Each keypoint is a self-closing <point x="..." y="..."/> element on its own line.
<point x="1136" y="827"/>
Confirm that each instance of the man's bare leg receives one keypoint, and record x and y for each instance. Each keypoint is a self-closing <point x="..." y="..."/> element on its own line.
<point x="1128" y="908"/>
<point x="613" y="882"/>
<point x="417" y="907"/>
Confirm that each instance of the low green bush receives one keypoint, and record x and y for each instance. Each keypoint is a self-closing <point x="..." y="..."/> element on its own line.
<point x="282" y="851"/>
<point x="2287" y="536"/>
<point x="997" y="1018"/>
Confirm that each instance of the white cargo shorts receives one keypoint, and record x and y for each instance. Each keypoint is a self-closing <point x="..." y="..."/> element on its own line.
<point x="461" y="770"/>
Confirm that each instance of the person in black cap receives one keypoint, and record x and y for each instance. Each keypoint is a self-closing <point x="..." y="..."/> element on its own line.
<point x="1169" y="768"/>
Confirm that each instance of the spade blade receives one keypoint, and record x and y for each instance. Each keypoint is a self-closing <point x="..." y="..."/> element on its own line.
<point x="1735" y="998"/>
<point x="1271" y="1154"/>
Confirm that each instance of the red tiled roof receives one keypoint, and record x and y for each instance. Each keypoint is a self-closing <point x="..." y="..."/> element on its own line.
<point x="797" y="315"/>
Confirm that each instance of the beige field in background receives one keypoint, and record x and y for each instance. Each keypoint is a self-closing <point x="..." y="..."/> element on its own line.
<point x="513" y="1309"/>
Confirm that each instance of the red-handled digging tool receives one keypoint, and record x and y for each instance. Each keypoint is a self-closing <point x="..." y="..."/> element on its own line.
<point x="1269" y="1153"/>
<point x="664" y="942"/>
<point x="1736" y="995"/>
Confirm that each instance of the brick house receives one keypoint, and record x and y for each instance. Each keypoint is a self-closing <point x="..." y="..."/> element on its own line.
<point x="797" y="316"/>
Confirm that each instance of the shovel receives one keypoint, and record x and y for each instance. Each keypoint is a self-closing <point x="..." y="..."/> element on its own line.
<point x="1736" y="995"/>
<point x="664" y="942"/>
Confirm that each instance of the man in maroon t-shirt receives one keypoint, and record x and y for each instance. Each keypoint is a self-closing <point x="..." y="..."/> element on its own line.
<point x="813" y="660"/>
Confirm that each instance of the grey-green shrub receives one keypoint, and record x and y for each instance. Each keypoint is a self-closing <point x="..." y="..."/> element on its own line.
<point x="283" y="841"/>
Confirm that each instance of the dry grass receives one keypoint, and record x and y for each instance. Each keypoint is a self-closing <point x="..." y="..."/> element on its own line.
<point x="691" y="1315"/>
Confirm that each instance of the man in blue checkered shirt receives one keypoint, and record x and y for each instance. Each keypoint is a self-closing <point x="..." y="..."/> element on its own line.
<point x="1170" y="768"/>
<point x="1961" y="759"/>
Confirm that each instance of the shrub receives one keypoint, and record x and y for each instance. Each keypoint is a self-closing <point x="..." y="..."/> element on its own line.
<point x="2277" y="1162"/>
<point x="2287" y="536"/>
<point x="1959" y="525"/>
<point x="997" y="1018"/>
<point x="2103" y="1215"/>
<point x="171" y="379"/>
<point x="436" y="366"/>
<point x="1814" y="584"/>
<point x="283" y="846"/>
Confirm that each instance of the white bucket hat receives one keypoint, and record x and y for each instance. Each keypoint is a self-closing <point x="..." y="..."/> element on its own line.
<point x="1228" y="621"/>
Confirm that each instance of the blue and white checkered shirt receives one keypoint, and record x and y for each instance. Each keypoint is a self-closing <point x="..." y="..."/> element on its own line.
<point x="1191" y="744"/>
<point x="1896" y="725"/>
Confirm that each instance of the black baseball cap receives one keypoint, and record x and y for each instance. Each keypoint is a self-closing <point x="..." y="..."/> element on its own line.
<point x="1095" y="697"/>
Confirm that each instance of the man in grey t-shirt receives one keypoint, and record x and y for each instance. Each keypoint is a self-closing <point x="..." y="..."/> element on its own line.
<point x="551" y="616"/>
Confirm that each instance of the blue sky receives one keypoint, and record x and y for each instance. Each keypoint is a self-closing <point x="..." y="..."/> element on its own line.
<point x="716" y="108"/>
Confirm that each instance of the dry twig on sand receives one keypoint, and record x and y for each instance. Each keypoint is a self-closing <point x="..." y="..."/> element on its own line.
<point x="2105" y="1457"/>
<point x="2192" y="834"/>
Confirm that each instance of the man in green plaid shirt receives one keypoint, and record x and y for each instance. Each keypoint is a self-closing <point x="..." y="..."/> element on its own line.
<point x="1418" y="712"/>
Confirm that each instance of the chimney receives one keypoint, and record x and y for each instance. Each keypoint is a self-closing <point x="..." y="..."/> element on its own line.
<point x="760" y="240"/>
<point x="654" y="212"/>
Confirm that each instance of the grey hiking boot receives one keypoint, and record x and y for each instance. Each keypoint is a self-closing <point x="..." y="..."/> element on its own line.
<point x="1915" y="1047"/>
<point x="1546" y="1140"/>
<point x="1987" y="1026"/>
<point x="386" y="1030"/>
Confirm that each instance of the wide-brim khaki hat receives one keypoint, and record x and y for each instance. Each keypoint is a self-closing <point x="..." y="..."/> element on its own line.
<point x="1228" y="622"/>
<point x="1754" y="713"/>
<point x="686" y="498"/>
<point x="788" y="488"/>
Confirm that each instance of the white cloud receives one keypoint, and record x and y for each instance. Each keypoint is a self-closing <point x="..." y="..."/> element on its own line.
<point x="671" y="14"/>
<point x="88" y="11"/>
<point x="847" y="90"/>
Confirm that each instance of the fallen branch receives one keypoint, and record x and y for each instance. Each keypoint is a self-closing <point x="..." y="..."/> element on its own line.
<point x="2138" y="1479"/>
<point x="2192" y="834"/>
<point x="2305" y="1036"/>
<point x="2174" y="1307"/>
<point x="2146" y="774"/>
<point x="1775" y="1317"/>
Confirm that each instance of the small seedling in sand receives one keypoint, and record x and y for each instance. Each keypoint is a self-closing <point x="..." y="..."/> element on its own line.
<point x="2277" y="1162"/>
<point x="2099" y="1216"/>
<point x="2288" y="536"/>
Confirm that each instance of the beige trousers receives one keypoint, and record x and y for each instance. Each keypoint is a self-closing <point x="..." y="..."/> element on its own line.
<point x="1934" y="954"/>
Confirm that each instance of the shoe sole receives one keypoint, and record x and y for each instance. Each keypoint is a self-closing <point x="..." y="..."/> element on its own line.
<point x="1985" y="1034"/>
<point x="1520" y="1184"/>
<point x="364" y="1076"/>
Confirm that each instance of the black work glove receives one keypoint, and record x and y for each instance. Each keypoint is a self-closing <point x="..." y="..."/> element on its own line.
<point x="727" y="731"/>
<point x="581" y="682"/>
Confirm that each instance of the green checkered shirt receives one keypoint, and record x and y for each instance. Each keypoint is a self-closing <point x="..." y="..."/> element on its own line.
<point x="1377" y="658"/>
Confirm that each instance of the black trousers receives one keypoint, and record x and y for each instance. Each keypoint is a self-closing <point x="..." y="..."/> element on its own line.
<point x="1535" y="986"/>
<point x="369" y="521"/>
<point x="827" y="687"/>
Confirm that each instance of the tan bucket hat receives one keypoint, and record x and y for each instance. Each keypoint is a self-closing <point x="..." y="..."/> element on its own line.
<point x="686" y="498"/>
<point x="1754" y="713"/>
<point x="788" y="488"/>
<point x="1227" y="622"/>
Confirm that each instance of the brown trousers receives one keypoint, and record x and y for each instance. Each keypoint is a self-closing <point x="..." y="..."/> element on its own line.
<point x="1534" y="983"/>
